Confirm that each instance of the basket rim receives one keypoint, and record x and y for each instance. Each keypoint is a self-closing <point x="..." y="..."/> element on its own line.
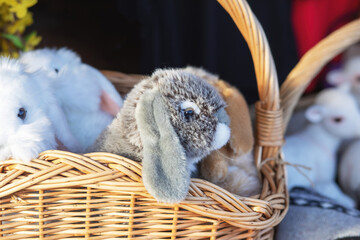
<point x="100" y="170"/>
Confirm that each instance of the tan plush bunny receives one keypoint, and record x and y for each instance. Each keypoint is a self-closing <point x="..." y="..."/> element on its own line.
<point x="232" y="166"/>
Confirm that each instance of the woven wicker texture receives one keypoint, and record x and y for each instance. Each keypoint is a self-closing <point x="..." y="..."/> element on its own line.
<point x="101" y="196"/>
<point x="63" y="195"/>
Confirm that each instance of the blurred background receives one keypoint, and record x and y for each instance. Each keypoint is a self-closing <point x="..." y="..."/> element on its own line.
<point x="138" y="36"/>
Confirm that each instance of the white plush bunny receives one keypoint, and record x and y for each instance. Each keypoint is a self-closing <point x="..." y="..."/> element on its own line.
<point x="30" y="117"/>
<point x="334" y="117"/>
<point x="89" y="100"/>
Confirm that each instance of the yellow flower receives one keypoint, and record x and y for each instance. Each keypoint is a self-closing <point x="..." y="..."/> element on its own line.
<point x="4" y="54"/>
<point x="9" y="2"/>
<point x="4" y="45"/>
<point x="15" y="55"/>
<point x="8" y="54"/>
<point x="14" y="18"/>
<point x="21" y="8"/>
<point x="20" y="25"/>
<point x="32" y="42"/>
<point x="5" y="14"/>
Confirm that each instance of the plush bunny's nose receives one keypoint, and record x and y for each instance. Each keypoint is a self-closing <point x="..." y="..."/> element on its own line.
<point x="223" y="117"/>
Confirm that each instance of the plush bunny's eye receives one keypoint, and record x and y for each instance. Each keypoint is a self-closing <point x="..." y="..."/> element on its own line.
<point x="189" y="109"/>
<point x="189" y="112"/>
<point x="337" y="119"/>
<point x="357" y="79"/>
<point x="22" y="113"/>
<point x="56" y="70"/>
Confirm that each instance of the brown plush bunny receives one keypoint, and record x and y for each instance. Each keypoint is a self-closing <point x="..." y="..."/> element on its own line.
<point x="232" y="166"/>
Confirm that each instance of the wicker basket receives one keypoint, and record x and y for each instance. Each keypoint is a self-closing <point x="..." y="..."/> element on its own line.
<point x="62" y="195"/>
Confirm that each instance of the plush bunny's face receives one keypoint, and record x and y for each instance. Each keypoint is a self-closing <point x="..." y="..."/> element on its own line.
<point x="196" y="113"/>
<point x="68" y="75"/>
<point x="50" y="60"/>
<point x="25" y="129"/>
<point x="337" y="110"/>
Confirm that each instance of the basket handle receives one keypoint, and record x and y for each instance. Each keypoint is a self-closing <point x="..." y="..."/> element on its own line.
<point x="254" y="35"/>
<point x="269" y="119"/>
<point x="312" y="63"/>
<point x="269" y="134"/>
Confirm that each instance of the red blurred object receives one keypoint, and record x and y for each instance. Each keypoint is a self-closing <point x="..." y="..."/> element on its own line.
<point x="313" y="20"/>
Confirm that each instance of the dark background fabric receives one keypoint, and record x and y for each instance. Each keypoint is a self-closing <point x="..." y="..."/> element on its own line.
<point x="138" y="36"/>
<point x="201" y="33"/>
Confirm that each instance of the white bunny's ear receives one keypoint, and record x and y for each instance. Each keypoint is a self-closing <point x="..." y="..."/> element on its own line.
<point x="165" y="172"/>
<point x="62" y="128"/>
<point x="60" y="145"/>
<point x="346" y="87"/>
<point x="55" y="113"/>
<point x="315" y="113"/>
<point x="108" y="105"/>
<point x="336" y="77"/>
<point x="111" y="101"/>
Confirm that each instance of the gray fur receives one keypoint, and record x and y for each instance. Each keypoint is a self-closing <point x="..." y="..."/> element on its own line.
<point x="122" y="136"/>
<point x="222" y="116"/>
<point x="163" y="152"/>
<point x="152" y="128"/>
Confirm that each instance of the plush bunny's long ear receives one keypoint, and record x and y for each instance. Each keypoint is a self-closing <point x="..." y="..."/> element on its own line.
<point x="315" y="113"/>
<point x="336" y="77"/>
<point x="56" y="114"/>
<point x="111" y="101"/>
<point x="107" y="104"/>
<point x="165" y="172"/>
<point x="62" y="128"/>
<point x="242" y="138"/>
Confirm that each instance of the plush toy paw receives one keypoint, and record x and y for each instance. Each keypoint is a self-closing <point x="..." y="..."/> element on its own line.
<point x="214" y="168"/>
